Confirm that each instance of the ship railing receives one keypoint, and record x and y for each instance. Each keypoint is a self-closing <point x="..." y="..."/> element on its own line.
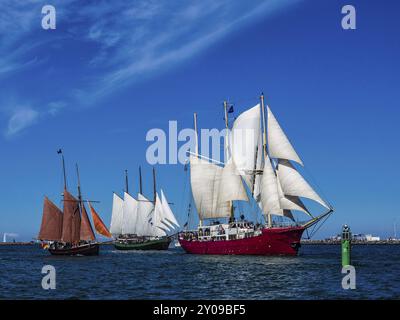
<point x="286" y="224"/>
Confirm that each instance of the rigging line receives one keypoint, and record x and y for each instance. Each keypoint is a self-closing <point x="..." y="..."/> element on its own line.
<point x="314" y="181"/>
<point x="320" y="226"/>
<point x="184" y="187"/>
<point x="308" y="235"/>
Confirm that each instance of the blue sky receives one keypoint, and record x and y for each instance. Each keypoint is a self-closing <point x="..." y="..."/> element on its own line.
<point x="111" y="71"/>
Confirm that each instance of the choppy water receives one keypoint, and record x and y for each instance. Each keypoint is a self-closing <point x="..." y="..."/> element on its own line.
<point x="314" y="274"/>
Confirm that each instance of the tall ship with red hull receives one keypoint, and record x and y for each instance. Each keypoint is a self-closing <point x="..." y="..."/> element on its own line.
<point x="260" y="173"/>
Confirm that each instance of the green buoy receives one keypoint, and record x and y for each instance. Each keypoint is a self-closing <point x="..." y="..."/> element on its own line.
<point x="346" y="246"/>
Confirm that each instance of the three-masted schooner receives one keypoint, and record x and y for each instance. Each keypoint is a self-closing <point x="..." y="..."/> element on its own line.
<point x="258" y="169"/>
<point x="142" y="224"/>
<point x="69" y="232"/>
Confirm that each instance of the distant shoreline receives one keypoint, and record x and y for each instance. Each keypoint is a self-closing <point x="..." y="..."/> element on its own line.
<point x="17" y="243"/>
<point x="355" y="242"/>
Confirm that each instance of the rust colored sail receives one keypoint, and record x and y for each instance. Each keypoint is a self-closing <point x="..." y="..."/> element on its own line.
<point x="86" y="228"/>
<point x="99" y="224"/>
<point x="52" y="221"/>
<point x="71" y="219"/>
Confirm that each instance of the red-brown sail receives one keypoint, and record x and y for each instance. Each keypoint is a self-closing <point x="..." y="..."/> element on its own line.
<point x="86" y="228"/>
<point x="71" y="219"/>
<point x="99" y="224"/>
<point x="52" y="221"/>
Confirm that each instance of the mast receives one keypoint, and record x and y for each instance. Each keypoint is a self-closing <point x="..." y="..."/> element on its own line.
<point x="85" y="227"/>
<point x="126" y="182"/>
<point x="196" y="134"/>
<point x="63" y="166"/>
<point x="140" y="181"/>
<point x="79" y="184"/>
<point x="269" y="218"/>
<point x="197" y="149"/>
<point x="154" y="185"/>
<point x="232" y="218"/>
<point x="227" y="130"/>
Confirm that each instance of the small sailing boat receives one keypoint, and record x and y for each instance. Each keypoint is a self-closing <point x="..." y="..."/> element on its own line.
<point x="259" y="170"/>
<point x="69" y="232"/>
<point x="141" y="224"/>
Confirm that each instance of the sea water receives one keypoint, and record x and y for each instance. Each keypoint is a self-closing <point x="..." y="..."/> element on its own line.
<point x="173" y="274"/>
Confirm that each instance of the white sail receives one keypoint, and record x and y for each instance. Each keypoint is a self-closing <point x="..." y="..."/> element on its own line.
<point x="168" y="214"/>
<point x="205" y="180"/>
<point x="231" y="186"/>
<point x="159" y="229"/>
<point x="117" y="215"/>
<point x="269" y="190"/>
<point x="291" y="202"/>
<point x="293" y="184"/>
<point x="130" y="214"/>
<point x="169" y="226"/>
<point x="279" y="145"/>
<point x="245" y="136"/>
<point x="145" y="208"/>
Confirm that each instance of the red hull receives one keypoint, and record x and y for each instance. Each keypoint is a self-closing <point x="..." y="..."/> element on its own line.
<point x="273" y="241"/>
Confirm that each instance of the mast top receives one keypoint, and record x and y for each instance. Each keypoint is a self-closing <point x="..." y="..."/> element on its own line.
<point x="79" y="183"/>
<point x="59" y="151"/>
<point x="140" y="180"/>
<point x="126" y="182"/>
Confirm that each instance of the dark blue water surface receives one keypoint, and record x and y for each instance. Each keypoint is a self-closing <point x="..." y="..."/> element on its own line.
<point x="172" y="274"/>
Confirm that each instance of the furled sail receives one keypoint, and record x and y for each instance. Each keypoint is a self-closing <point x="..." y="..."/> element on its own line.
<point x="205" y="180"/>
<point x="279" y="145"/>
<point x="168" y="214"/>
<point x="71" y="219"/>
<point x="117" y="215"/>
<point x="259" y="164"/>
<point x="129" y="215"/>
<point x="52" y="222"/>
<point x="293" y="184"/>
<point x="99" y="224"/>
<point x="86" y="230"/>
<point x="245" y="136"/>
<point x="231" y="186"/>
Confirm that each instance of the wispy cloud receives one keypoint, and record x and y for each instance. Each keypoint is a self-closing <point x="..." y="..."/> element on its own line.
<point x="20" y="119"/>
<point x="152" y="36"/>
<point x="123" y="42"/>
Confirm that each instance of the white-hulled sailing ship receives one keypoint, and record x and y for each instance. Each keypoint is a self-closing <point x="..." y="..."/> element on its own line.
<point x="259" y="169"/>
<point x="69" y="232"/>
<point x="142" y="224"/>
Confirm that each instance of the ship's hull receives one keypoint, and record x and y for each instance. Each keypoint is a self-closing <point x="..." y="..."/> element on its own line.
<point x="159" y="244"/>
<point x="272" y="241"/>
<point x="82" y="250"/>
